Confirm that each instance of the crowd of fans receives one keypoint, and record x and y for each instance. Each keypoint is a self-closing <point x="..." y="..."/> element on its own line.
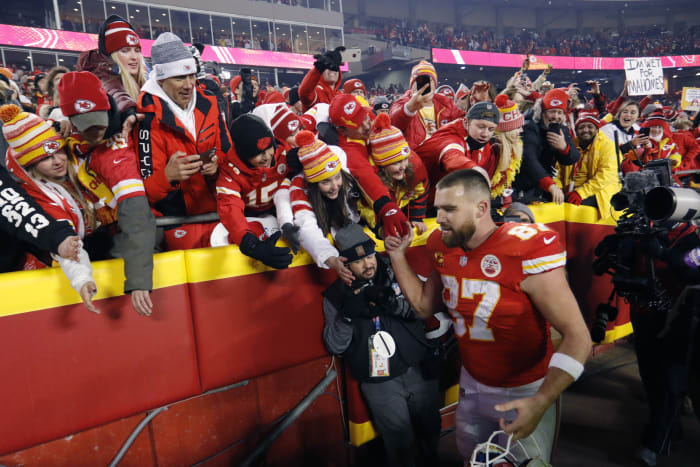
<point x="106" y="149"/>
<point x="606" y="43"/>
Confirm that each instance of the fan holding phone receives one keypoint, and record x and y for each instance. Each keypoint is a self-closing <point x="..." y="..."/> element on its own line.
<point x="546" y="142"/>
<point x="421" y="111"/>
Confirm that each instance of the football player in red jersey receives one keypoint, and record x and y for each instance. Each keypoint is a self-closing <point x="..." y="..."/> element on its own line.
<point x="503" y="286"/>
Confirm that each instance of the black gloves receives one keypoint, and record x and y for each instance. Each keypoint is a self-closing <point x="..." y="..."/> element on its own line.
<point x="266" y="251"/>
<point x="331" y="60"/>
<point x="290" y="233"/>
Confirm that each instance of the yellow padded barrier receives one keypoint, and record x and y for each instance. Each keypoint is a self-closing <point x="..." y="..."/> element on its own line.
<point x="26" y="291"/>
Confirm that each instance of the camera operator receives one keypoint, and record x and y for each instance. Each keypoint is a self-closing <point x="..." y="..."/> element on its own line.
<point x="546" y="141"/>
<point x="374" y="328"/>
<point x="663" y="344"/>
<point x="653" y="256"/>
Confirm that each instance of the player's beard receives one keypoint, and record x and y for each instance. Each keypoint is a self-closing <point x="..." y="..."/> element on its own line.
<point x="454" y="238"/>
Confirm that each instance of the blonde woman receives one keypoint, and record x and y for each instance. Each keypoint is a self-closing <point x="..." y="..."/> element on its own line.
<point x="119" y="65"/>
<point x="509" y="147"/>
<point x="36" y="156"/>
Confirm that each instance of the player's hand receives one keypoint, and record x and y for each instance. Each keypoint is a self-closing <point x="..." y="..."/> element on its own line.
<point x="530" y="411"/>
<point x="418" y="100"/>
<point x="141" y="301"/>
<point x="556" y="140"/>
<point x="87" y="291"/>
<point x="69" y="248"/>
<point x="398" y="245"/>
<point x="181" y="167"/>
<point x="420" y="227"/>
<point x="337" y="263"/>
<point x="557" y="194"/>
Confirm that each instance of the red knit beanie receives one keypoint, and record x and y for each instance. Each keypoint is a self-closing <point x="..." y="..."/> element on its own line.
<point x="116" y="33"/>
<point x="555" y="99"/>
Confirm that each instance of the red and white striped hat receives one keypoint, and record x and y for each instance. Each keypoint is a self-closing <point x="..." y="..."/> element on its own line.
<point x="284" y="122"/>
<point x="116" y="33"/>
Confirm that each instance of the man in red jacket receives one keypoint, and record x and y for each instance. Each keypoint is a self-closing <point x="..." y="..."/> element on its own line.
<point x="180" y="140"/>
<point x="420" y="112"/>
<point x="351" y="117"/>
<point x="322" y="82"/>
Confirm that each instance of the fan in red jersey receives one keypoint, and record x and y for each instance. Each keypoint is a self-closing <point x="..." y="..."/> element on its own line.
<point x="503" y="286"/>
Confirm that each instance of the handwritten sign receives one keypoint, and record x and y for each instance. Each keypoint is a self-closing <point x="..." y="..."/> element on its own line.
<point x="690" y="99"/>
<point x="645" y="76"/>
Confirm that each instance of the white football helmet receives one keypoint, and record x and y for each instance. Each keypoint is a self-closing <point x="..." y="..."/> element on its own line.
<point x="491" y="454"/>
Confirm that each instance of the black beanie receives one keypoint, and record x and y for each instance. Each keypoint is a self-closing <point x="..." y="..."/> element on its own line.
<point x="250" y="136"/>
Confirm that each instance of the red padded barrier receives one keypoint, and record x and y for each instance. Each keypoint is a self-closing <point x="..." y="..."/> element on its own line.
<point x="66" y="369"/>
<point x="590" y="290"/>
<point x="251" y="325"/>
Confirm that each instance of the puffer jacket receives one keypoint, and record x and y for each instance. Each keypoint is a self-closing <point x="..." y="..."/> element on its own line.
<point x="160" y="135"/>
<point x="108" y="72"/>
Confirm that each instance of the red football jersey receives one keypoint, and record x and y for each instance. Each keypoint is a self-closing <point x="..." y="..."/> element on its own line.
<point x="503" y="340"/>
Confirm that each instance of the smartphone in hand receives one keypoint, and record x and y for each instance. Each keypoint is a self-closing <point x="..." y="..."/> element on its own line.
<point x="644" y="132"/>
<point x="207" y="156"/>
<point x="421" y="81"/>
<point x="554" y="127"/>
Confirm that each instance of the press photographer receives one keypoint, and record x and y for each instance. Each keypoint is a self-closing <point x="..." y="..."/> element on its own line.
<point x="653" y="259"/>
<point x="373" y="327"/>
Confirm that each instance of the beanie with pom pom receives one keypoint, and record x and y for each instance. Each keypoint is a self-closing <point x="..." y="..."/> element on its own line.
<point x="387" y="144"/>
<point x="30" y="137"/>
<point x="511" y="118"/>
<point x="318" y="160"/>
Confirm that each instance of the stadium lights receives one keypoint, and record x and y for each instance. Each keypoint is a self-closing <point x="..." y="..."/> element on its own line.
<point x="697" y="74"/>
<point x="675" y="76"/>
<point x="463" y="68"/>
<point x="680" y="69"/>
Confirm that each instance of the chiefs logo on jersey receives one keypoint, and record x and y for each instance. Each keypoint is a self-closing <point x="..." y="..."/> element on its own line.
<point x="281" y="169"/>
<point x="490" y="266"/>
<point x="439" y="258"/>
<point x="83" y="105"/>
<point x="50" y="147"/>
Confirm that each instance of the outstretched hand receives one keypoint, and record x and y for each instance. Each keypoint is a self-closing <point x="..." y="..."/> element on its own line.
<point x="87" y="291"/>
<point x="397" y="245"/>
<point x="141" y="301"/>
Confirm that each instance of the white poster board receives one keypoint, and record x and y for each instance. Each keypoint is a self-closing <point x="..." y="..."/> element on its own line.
<point x="645" y="76"/>
<point x="690" y="100"/>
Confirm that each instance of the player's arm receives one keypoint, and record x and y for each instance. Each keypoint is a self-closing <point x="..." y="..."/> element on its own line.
<point x="424" y="297"/>
<point x="550" y="294"/>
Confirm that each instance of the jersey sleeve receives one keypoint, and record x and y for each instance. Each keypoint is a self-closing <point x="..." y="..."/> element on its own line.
<point x="541" y="249"/>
